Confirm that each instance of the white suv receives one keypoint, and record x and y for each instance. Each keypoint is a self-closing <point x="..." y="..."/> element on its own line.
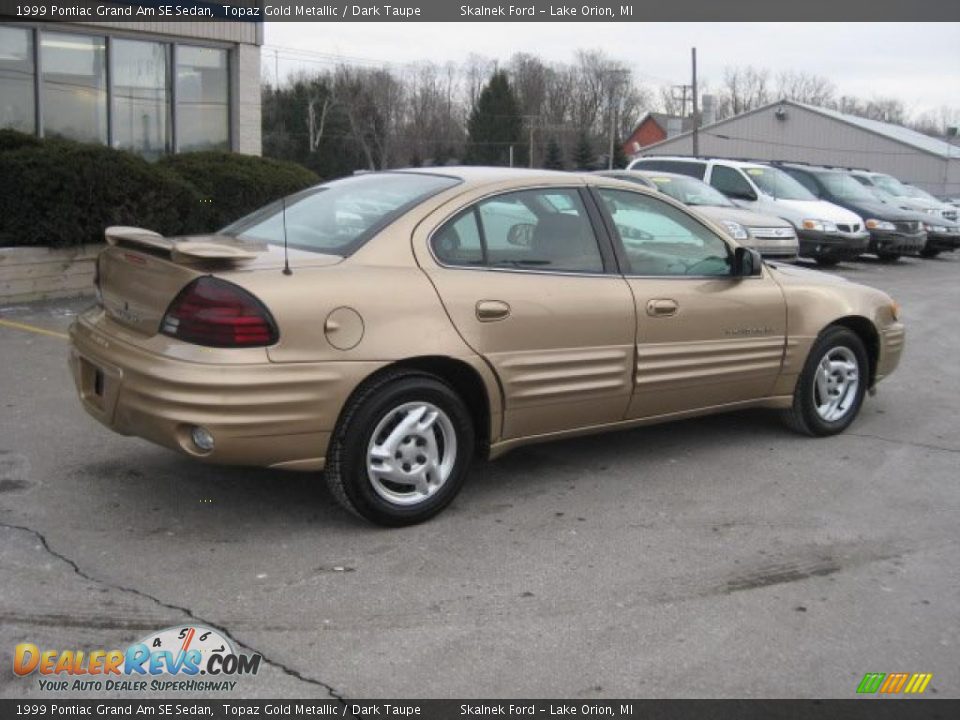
<point x="827" y="233"/>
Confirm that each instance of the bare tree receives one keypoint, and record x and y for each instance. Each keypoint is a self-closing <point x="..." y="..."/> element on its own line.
<point x="743" y="89"/>
<point x="805" y="88"/>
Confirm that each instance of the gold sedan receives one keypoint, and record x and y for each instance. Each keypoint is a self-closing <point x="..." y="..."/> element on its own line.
<point x="391" y="327"/>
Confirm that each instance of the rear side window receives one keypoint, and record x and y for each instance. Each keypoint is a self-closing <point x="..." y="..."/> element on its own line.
<point x="730" y="182"/>
<point x="681" y="167"/>
<point x="545" y="229"/>
<point x="338" y="217"/>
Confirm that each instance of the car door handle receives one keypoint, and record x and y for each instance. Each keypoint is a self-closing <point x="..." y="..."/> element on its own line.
<point x="490" y="310"/>
<point x="662" y="307"/>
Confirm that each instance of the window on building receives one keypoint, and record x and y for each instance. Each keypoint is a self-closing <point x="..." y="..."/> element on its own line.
<point x="17" y="106"/>
<point x="203" y="109"/>
<point x="141" y="96"/>
<point x="74" y="86"/>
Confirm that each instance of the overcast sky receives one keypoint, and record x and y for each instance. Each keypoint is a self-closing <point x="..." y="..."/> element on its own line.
<point x="916" y="62"/>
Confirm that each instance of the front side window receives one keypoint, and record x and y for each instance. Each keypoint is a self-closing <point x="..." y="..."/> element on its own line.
<point x="532" y="229"/>
<point x="17" y="107"/>
<point x="730" y="182"/>
<point x="660" y="240"/>
<point x="74" y="86"/>
<point x="339" y="217"/>
<point x="203" y="111"/>
<point x="141" y="96"/>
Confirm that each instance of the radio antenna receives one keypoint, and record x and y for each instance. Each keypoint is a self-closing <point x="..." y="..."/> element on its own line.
<point x="286" y="256"/>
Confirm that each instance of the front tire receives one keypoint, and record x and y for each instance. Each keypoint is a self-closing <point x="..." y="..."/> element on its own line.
<point x="929" y="253"/>
<point x="830" y="390"/>
<point x="886" y="257"/>
<point x="401" y="450"/>
<point x="827" y="260"/>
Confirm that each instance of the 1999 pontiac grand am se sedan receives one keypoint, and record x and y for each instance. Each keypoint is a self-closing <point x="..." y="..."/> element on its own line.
<point x="428" y="317"/>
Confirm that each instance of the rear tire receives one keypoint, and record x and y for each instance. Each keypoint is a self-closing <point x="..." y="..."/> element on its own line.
<point x="827" y="261"/>
<point x="401" y="450"/>
<point x="831" y="388"/>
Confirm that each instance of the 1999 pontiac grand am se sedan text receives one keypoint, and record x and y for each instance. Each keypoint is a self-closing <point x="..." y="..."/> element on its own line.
<point x="432" y="316"/>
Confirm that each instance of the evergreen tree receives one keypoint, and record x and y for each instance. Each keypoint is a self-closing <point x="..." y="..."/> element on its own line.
<point x="620" y="158"/>
<point x="554" y="156"/>
<point x="583" y="157"/>
<point x="495" y="124"/>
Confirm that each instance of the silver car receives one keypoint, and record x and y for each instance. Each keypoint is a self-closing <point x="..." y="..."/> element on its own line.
<point x="771" y="236"/>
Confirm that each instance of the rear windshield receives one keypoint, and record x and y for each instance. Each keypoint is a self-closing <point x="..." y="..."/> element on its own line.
<point x="690" y="191"/>
<point x="778" y="184"/>
<point x="338" y="217"/>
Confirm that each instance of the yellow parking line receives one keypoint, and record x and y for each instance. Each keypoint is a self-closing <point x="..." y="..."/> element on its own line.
<point x="33" y="329"/>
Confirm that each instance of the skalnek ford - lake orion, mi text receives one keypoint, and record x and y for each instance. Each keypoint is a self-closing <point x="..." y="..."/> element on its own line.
<point x="573" y="10"/>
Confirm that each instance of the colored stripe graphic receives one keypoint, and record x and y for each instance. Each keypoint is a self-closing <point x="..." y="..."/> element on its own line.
<point x="870" y="683"/>
<point x="918" y="683"/>
<point x="894" y="683"/>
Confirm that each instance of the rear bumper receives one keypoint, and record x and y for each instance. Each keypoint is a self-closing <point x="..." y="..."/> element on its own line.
<point x="844" y="246"/>
<point x="884" y="241"/>
<point x="259" y="413"/>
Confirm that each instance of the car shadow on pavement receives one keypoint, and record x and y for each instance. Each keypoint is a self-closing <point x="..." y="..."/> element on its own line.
<point x="170" y="493"/>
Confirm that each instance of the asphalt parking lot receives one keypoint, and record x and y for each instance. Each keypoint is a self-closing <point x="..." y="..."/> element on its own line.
<point x="717" y="557"/>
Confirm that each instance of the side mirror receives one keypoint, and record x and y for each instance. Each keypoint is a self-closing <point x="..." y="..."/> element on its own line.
<point x="746" y="262"/>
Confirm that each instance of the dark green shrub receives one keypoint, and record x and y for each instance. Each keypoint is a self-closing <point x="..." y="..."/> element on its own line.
<point x="60" y="193"/>
<point x="14" y="140"/>
<point x="233" y="185"/>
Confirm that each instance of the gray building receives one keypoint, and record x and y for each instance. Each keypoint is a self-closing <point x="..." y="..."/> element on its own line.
<point x="151" y="87"/>
<point x="788" y="130"/>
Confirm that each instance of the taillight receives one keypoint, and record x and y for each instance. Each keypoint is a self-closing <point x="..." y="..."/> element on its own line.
<point x="213" y="312"/>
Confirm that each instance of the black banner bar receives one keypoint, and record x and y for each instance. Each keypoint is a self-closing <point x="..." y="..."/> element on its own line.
<point x="855" y="709"/>
<point x="857" y="11"/>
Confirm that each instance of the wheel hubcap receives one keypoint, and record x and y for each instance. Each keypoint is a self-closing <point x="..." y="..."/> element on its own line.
<point x="836" y="383"/>
<point x="411" y="453"/>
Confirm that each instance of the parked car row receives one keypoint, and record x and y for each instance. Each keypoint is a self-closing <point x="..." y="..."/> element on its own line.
<point x="832" y="214"/>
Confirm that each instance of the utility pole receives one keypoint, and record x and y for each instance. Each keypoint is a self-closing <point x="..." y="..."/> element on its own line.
<point x="696" y="112"/>
<point x="614" y="111"/>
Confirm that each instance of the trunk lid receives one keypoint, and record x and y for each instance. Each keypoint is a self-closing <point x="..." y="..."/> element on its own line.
<point x="140" y="272"/>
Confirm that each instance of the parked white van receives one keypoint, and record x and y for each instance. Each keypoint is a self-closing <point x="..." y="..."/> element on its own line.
<point x="827" y="233"/>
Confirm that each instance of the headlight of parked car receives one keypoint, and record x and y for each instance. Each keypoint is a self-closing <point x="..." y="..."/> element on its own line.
<point x="880" y="225"/>
<point x="934" y="228"/>
<point x="820" y="225"/>
<point x="735" y="230"/>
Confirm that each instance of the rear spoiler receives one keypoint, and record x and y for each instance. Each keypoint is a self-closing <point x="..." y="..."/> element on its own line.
<point x="202" y="247"/>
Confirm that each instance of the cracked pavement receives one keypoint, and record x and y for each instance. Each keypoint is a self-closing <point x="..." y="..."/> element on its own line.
<point x="718" y="557"/>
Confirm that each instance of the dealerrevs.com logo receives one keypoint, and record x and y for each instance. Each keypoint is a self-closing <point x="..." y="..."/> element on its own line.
<point x="191" y="658"/>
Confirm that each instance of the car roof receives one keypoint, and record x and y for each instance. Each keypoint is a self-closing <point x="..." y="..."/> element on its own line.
<point x="481" y="174"/>
<point x="814" y="169"/>
<point x="699" y="159"/>
<point x="659" y="173"/>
